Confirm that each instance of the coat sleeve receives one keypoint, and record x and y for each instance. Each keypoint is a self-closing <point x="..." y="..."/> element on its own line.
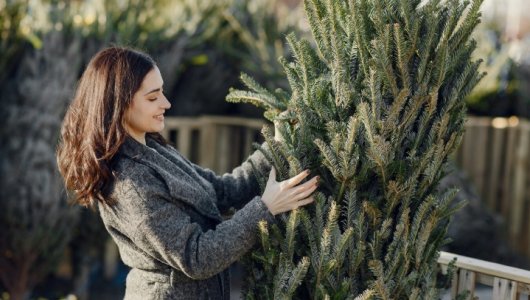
<point x="237" y="188"/>
<point x="166" y="233"/>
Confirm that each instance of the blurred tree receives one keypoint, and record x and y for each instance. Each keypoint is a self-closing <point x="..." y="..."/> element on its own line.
<point x="499" y="93"/>
<point x="34" y="215"/>
<point x="260" y="27"/>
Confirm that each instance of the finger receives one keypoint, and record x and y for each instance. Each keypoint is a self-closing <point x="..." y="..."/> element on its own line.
<point x="305" y="201"/>
<point x="304" y="193"/>
<point x="272" y="174"/>
<point x="306" y="185"/>
<point x="296" y="179"/>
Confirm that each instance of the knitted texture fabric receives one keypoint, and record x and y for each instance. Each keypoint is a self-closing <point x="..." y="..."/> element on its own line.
<point x="167" y="221"/>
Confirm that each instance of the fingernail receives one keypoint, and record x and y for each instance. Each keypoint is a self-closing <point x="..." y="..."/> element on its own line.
<point x="307" y="172"/>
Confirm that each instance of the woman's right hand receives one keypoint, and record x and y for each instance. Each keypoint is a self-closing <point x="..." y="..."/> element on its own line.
<point x="287" y="195"/>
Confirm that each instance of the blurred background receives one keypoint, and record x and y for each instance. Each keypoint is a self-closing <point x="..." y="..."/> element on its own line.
<point x="50" y="250"/>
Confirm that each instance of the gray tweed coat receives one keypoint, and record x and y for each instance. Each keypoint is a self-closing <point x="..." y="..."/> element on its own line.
<point x="167" y="221"/>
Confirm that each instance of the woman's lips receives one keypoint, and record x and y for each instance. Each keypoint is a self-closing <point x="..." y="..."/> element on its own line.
<point x="159" y="117"/>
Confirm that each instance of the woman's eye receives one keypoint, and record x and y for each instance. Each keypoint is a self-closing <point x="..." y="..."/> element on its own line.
<point x="152" y="99"/>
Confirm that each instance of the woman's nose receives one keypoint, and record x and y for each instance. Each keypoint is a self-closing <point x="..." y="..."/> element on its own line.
<point x="166" y="104"/>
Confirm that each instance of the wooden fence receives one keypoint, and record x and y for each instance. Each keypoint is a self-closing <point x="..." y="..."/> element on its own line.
<point x="506" y="283"/>
<point x="495" y="152"/>
<point x="217" y="143"/>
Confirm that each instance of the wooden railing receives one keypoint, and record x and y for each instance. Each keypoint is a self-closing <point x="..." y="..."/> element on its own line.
<point x="217" y="143"/>
<point x="506" y="283"/>
<point x="495" y="152"/>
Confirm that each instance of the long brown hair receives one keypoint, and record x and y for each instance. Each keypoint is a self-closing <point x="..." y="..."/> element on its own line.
<point x="92" y="130"/>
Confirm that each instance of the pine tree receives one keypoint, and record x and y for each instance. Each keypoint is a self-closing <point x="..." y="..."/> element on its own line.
<point x="376" y="106"/>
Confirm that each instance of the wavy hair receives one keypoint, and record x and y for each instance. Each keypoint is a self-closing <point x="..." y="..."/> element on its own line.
<point x="92" y="130"/>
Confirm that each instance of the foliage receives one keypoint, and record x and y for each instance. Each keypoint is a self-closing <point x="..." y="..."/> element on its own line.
<point x="500" y="93"/>
<point x="374" y="109"/>
<point x="260" y="27"/>
<point x="34" y="215"/>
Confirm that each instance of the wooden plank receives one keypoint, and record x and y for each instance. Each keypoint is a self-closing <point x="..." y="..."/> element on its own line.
<point x="207" y="146"/>
<point x="454" y="284"/>
<point x="224" y="150"/>
<point x="234" y="121"/>
<point x="165" y="133"/>
<point x="523" y="289"/>
<point x="484" y="279"/>
<point x="248" y="140"/>
<point x="508" y="171"/>
<point x="111" y="258"/>
<point x="520" y="172"/>
<point x="480" y="148"/>
<point x="527" y="235"/>
<point x="184" y="141"/>
<point x="496" y="154"/>
<point x="466" y="282"/>
<point x="504" y="289"/>
<point x="236" y="140"/>
<point x="468" y="151"/>
<point x="486" y="267"/>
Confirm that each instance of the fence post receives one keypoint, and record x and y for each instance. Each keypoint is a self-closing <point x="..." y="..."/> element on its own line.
<point x="504" y="289"/>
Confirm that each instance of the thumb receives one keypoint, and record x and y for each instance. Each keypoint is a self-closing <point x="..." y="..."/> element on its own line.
<point x="272" y="174"/>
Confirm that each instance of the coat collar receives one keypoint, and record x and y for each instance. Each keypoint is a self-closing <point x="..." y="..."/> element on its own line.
<point x="182" y="180"/>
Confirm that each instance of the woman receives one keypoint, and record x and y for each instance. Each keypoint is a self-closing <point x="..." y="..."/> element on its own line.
<point x="163" y="212"/>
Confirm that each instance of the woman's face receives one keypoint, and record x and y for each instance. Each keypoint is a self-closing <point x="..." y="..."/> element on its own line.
<point x="146" y="112"/>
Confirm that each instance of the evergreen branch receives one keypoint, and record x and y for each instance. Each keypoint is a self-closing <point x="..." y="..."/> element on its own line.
<point x="330" y="158"/>
<point x="470" y="21"/>
<point x="297" y="275"/>
<point x="352" y="207"/>
<point x="325" y="243"/>
<point x="256" y="87"/>
<point x="376" y="267"/>
<point x="319" y="215"/>
<point x="453" y="10"/>
<point x="373" y="212"/>
<point x="264" y="234"/>
<point x="311" y="235"/>
<point x="376" y="99"/>
<point x="366" y="295"/>
<point x="339" y="252"/>
<point x="360" y="17"/>
<point x="421" y="213"/>
<point x="281" y="279"/>
<point x="292" y="77"/>
<point x="351" y="136"/>
<point x="424" y="51"/>
<point x="290" y="233"/>
<point x="423" y="238"/>
<point x="402" y="56"/>
<point x="302" y="63"/>
<point x="276" y="152"/>
<point x="315" y="16"/>
<point x="395" y="111"/>
<point x="256" y="99"/>
<point x="385" y="66"/>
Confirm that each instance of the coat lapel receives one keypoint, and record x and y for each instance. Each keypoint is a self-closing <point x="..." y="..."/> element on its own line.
<point x="183" y="182"/>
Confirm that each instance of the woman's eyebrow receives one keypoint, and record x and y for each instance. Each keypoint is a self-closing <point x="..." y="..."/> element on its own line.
<point x="152" y="91"/>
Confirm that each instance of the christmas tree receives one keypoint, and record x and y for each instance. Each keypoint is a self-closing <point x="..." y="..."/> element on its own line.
<point x="376" y="106"/>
